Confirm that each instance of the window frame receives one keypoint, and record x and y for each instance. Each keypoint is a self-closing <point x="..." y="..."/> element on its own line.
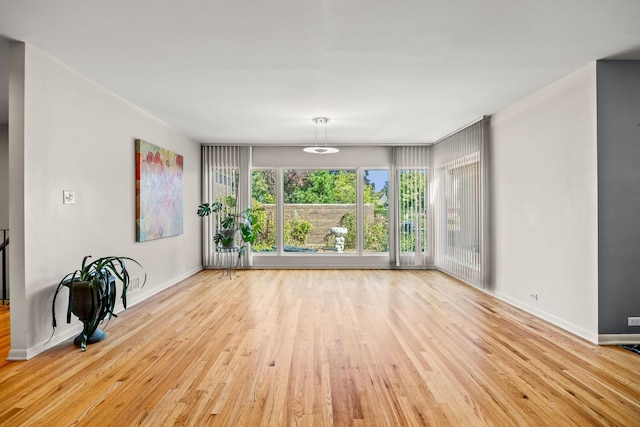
<point x="357" y="259"/>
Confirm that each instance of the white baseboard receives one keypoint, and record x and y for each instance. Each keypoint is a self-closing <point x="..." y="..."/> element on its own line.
<point x="590" y="336"/>
<point x="133" y="298"/>
<point x="617" y="339"/>
<point x="33" y="351"/>
<point x="15" y="355"/>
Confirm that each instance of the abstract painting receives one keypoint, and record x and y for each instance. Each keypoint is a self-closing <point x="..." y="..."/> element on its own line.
<point x="159" y="192"/>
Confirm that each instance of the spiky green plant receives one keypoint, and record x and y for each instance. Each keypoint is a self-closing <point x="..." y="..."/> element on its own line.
<point x="97" y="274"/>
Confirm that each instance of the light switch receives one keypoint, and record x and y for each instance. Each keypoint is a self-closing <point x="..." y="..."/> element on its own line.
<point x="68" y="197"/>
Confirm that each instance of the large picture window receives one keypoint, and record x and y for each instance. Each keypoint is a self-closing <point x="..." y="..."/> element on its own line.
<point x="319" y="210"/>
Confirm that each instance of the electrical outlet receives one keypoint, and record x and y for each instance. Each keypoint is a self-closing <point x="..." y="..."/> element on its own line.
<point x="534" y="297"/>
<point x="68" y="197"/>
<point x="188" y="264"/>
<point x="135" y="284"/>
<point x="633" y="321"/>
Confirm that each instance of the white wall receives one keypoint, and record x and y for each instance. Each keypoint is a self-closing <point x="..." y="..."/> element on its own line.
<point x="349" y="157"/>
<point x="544" y="203"/>
<point x="4" y="176"/>
<point x="78" y="136"/>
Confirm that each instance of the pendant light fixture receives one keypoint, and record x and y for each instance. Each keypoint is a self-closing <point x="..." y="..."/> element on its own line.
<point x="320" y="149"/>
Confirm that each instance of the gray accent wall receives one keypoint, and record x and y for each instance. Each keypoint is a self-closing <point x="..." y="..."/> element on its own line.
<point x="618" y="121"/>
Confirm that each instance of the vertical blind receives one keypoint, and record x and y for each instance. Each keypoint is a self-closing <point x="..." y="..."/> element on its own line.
<point x="460" y="211"/>
<point x="225" y="172"/>
<point x="410" y="180"/>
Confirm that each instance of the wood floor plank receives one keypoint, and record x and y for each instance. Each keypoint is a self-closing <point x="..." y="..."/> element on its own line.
<point x="5" y="332"/>
<point x="323" y="348"/>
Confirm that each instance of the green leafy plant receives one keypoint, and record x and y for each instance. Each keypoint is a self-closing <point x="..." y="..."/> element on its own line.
<point x="348" y="221"/>
<point x="296" y="231"/>
<point x="93" y="292"/>
<point x="376" y="234"/>
<point x="232" y="221"/>
<point x="266" y="239"/>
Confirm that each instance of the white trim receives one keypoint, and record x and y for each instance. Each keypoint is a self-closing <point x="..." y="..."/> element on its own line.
<point x="133" y="299"/>
<point x="322" y="261"/>
<point x="460" y="129"/>
<point x="590" y="336"/>
<point x="137" y="297"/>
<point x="17" y="355"/>
<point x="617" y="339"/>
<point x="21" y="354"/>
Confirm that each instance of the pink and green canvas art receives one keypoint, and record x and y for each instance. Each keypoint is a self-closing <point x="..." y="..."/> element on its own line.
<point x="159" y="192"/>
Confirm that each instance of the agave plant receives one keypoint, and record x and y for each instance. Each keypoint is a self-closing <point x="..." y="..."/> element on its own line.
<point x="93" y="294"/>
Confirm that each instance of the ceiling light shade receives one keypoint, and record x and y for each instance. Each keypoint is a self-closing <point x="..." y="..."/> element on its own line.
<point x="321" y="149"/>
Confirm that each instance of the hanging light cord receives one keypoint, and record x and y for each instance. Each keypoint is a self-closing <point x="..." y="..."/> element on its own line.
<point x="325" y="149"/>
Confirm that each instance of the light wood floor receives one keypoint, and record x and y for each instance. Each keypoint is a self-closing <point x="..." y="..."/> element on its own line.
<point x="5" y="333"/>
<point x="325" y="347"/>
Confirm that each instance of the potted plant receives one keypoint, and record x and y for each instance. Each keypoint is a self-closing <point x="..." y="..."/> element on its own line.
<point x="93" y="294"/>
<point x="231" y="222"/>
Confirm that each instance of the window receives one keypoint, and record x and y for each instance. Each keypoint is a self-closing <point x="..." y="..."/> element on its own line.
<point x="461" y="247"/>
<point x="263" y="200"/>
<point x="319" y="210"/>
<point x="412" y="208"/>
<point x="463" y="209"/>
<point x="224" y="174"/>
<point x="376" y="210"/>
<point x="408" y="206"/>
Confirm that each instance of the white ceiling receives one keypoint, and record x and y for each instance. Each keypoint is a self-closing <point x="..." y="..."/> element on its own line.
<point x="401" y="72"/>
